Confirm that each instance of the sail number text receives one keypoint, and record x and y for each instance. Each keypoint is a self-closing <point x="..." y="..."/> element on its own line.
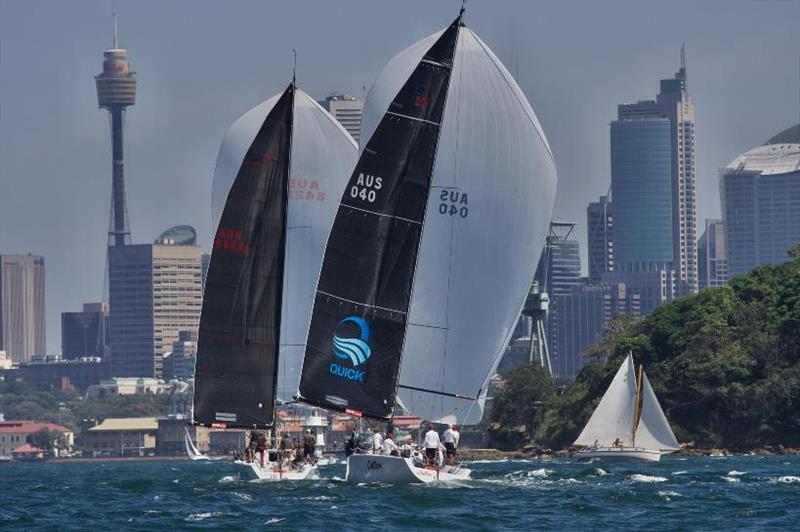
<point x="454" y="203"/>
<point x="366" y="187"/>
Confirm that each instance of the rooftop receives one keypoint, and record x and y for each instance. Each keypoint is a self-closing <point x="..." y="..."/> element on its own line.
<point x="770" y="159"/>
<point x="127" y="424"/>
<point x="26" y="425"/>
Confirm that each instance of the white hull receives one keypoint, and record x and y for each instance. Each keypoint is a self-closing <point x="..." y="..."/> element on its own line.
<point x="619" y="454"/>
<point x="397" y="470"/>
<point x="272" y="472"/>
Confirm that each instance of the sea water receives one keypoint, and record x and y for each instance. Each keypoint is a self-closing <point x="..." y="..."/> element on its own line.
<point x="698" y="493"/>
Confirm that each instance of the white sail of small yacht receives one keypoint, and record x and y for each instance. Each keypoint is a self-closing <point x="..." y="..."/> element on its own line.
<point x="628" y="423"/>
<point x="434" y="246"/>
<point x="192" y="452"/>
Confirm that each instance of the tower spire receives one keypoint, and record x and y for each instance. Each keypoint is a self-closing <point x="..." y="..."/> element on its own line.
<point x="114" y="16"/>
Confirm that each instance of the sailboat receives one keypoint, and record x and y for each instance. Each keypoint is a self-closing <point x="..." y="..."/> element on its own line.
<point x="192" y="452"/>
<point x="628" y="424"/>
<point x="433" y="248"/>
<point x="279" y="169"/>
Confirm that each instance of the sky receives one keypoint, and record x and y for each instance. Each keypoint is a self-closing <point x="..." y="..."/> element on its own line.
<point x="200" y="65"/>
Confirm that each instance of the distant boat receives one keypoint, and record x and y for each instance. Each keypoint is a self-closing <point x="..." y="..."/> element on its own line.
<point x="628" y="424"/>
<point x="191" y="451"/>
<point x="279" y="171"/>
<point x="434" y="246"/>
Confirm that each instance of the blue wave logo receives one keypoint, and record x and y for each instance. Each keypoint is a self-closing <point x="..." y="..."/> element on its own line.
<point x="354" y="349"/>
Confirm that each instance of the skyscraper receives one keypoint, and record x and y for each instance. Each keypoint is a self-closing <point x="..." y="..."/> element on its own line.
<point x="653" y="183"/>
<point x="155" y="292"/>
<point x="84" y="334"/>
<point x="116" y="90"/>
<point x="712" y="263"/>
<point x="599" y="229"/>
<point x="347" y="111"/>
<point x="760" y="196"/>
<point x="22" y="311"/>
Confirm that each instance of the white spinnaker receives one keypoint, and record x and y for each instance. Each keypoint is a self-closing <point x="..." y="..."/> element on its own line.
<point x="613" y="417"/>
<point x="473" y="272"/>
<point x="653" y="431"/>
<point x="323" y="157"/>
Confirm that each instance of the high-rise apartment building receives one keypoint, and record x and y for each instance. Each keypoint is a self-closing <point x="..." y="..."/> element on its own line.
<point x="599" y="229"/>
<point x="155" y="291"/>
<point x="84" y="334"/>
<point x="653" y="183"/>
<point x="347" y="110"/>
<point x="582" y="317"/>
<point x="22" y="312"/>
<point x="712" y="261"/>
<point x="760" y="196"/>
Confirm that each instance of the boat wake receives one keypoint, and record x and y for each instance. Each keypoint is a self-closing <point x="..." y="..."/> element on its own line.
<point x="647" y="478"/>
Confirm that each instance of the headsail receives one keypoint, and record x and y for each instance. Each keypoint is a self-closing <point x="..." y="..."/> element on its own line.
<point x="323" y="156"/>
<point x="654" y="431"/>
<point x="360" y="311"/>
<point x="613" y="417"/>
<point x="237" y="351"/>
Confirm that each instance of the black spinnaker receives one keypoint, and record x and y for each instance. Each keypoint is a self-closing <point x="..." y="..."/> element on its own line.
<point x="358" y="324"/>
<point x="238" y="340"/>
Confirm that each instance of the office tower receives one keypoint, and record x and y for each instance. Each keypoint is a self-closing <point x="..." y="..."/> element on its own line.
<point x="599" y="229"/>
<point x="205" y="261"/>
<point x="116" y="90"/>
<point x="155" y="291"/>
<point x="85" y="333"/>
<point x="22" y="313"/>
<point x="760" y="196"/>
<point x="712" y="263"/>
<point x="179" y="364"/>
<point x="653" y="183"/>
<point x="582" y="318"/>
<point x="347" y="111"/>
<point x="654" y="287"/>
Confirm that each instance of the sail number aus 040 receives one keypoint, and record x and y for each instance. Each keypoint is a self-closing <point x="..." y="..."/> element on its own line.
<point x="454" y="203"/>
<point x="366" y="187"/>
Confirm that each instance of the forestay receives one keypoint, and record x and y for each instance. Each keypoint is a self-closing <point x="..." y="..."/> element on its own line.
<point x="239" y="329"/>
<point x="322" y="158"/>
<point x="491" y="200"/>
<point x="613" y="417"/>
<point x="653" y="431"/>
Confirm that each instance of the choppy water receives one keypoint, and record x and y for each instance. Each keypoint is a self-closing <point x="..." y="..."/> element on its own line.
<point x="741" y="493"/>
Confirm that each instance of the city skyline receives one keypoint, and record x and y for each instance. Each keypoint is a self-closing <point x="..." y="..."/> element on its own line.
<point x="58" y="208"/>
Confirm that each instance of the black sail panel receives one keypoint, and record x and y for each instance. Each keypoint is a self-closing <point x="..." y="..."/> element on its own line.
<point x="358" y="324"/>
<point x="238" y="341"/>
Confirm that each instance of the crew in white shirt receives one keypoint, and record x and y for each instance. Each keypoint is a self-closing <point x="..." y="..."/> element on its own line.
<point x="389" y="447"/>
<point x="450" y="438"/>
<point x="377" y="441"/>
<point x="431" y="444"/>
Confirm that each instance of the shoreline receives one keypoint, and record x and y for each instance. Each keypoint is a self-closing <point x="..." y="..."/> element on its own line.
<point x="526" y="454"/>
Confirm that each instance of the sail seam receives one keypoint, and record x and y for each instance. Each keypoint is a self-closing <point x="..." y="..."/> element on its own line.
<point x="359" y="302"/>
<point x="437" y="124"/>
<point x="436" y="63"/>
<point x="382" y="214"/>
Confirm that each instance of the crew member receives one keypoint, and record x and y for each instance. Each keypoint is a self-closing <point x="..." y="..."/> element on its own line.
<point x="432" y="444"/>
<point x="286" y="448"/>
<point x="407" y="448"/>
<point x="450" y="438"/>
<point x="389" y="447"/>
<point x="261" y="446"/>
<point x="350" y="445"/>
<point x="377" y="441"/>
<point x="617" y="443"/>
<point x="309" y="442"/>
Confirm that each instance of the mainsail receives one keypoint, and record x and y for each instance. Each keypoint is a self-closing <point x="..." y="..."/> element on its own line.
<point x="653" y="431"/>
<point x="436" y="240"/>
<point x="613" y="417"/>
<point x="323" y="155"/>
<point x="237" y="351"/>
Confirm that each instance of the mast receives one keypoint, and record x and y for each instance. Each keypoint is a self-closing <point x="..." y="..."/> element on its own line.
<point x="637" y="405"/>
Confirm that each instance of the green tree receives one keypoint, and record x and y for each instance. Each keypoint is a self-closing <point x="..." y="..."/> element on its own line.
<point x="518" y="409"/>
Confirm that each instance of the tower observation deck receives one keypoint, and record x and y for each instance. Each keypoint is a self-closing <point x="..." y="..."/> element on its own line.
<point x="116" y="90"/>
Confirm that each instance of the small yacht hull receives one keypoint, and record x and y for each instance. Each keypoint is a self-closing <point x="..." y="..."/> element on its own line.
<point x="397" y="470"/>
<point x="620" y="454"/>
<point x="272" y="472"/>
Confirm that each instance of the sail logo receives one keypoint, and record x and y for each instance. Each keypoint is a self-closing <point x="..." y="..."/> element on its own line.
<point x="355" y="349"/>
<point x="421" y="98"/>
<point x="230" y="240"/>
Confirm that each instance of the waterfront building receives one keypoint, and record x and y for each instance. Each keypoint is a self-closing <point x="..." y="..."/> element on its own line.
<point x="5" y="360"/>
<point x="347" y="110"/>
<point x="582" y="318"/>
<point x="760" y="196"/>
<point x="599" y="229"/>
<point x="180" y="362"/>
<point x="653" y="183"/>
<point x="76" y="374"/>
<point x="155" y="292"/>
<point x="172" y="433"/>
<point x="227" y="441"/>
<point x="121" y="437"/>
<point x="15" y="433"/>
<point x="85" y="333"/>
<point x="127" y="386"/>
<point x="22" y="310"/>
<point x="712" y="262"/>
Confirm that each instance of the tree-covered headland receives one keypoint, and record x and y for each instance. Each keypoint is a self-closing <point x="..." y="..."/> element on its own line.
<point x="724" y="363"/>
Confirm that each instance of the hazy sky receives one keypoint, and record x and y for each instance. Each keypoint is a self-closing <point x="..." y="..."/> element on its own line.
<point x="202" y="64"/>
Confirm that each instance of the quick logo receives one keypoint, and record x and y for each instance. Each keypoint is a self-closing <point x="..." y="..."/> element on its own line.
<point x="350" y="343"/>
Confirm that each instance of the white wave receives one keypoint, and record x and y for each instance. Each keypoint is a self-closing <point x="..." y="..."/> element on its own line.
<point x="334" y="507"/>
<point x="647" y="478"/>
<point x="735" y="473"/>
<point x="600" y="471"/>
<point x="786" y="479"/>
<point x="243" y="496"/>
<point x="568" y="481"/>
<point x="273" y="520"/>
<point x="679" y="473"/>
<point x="731" y="479"/>
<point x="318" y="498"/>
<point x="202" y="515"/>
<point x="539" y="472"/>
<point x="337" y="479"/>
<point x="175" y="481"/>
<point x="669" y="494"/>
<point x="228" y="478"/>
